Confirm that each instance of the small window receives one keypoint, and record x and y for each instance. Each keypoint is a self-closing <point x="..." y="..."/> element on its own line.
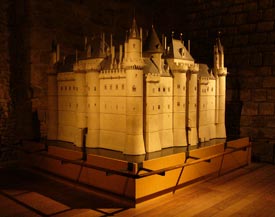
<point x="168" y="89"/>
<point x="111" y="87"/>
<point x="94" y="88"/>
<point x="122" y="86"/>
<point x="164" y="89"/>
<point x="116" y="87"/>
<point x="178" y="103"/>
<point x="178" y="86"/>
<point x="159" y="89"/>
<point x="159" y="107"/>
<point x="105" y="87"/>
<point x="134" y="88"/>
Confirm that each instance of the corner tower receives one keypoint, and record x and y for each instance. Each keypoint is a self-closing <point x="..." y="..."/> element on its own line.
<point x="220" y="73"/>
<point x="133" y="64"/>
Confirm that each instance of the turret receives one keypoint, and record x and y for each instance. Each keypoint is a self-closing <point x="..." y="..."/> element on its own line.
<point x="133" y="47"/>
<point x="218" y="58"/>
<point x="153" y="48"/>
<point x="220" y="73"/>
<point x="133" y="64"/>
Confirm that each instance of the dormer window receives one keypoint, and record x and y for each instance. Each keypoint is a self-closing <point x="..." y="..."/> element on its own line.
<point x="181" y="51"/>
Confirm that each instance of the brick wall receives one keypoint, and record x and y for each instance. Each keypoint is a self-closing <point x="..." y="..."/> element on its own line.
<point x="7" y="120"/>
<point x="248" y="35"/>
<point x="4" y="72"/>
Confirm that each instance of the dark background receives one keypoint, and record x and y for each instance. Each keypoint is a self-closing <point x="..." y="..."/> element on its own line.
<point x="28" y="27"/>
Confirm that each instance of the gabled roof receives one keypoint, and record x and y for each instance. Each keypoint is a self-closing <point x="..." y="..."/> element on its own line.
<point x="179" y="51"/>
<point x="152" y="43"/>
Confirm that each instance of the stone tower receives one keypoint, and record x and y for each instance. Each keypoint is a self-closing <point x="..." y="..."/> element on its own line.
<point x="133" y="64"/>
<point x="220" y="73"/>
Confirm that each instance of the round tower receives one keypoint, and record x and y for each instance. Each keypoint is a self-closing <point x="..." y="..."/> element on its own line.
<point x="192" y="111"/>
<point x="179" y="83"/>
<point x="80" y="107"/>
<point x="133" y="64"/>
<point x="220" y="73"/>
<point x="93" y="91"/>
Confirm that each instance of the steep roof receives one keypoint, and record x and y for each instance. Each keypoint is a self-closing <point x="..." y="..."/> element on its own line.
<point x="134" y="33"/>
<point x="219" y="45"/>
<point x="179" y="51"/>
<point x="152" y="43"/>
<point x="150" y="67"/>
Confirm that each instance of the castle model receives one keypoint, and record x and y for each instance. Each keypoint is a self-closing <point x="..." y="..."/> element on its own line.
<point x="141" y="98"/>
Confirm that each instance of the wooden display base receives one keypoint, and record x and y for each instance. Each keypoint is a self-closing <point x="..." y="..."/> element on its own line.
<point x="138" y="178"/>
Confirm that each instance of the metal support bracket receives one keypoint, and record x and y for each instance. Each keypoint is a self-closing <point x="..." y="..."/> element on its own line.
<point x="149" y="170"/>
<point x="197" y="158"/>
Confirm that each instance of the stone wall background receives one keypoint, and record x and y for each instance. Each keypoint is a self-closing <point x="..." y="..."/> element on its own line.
<point x="29" y="27"/>
<point x="248" y="35"/>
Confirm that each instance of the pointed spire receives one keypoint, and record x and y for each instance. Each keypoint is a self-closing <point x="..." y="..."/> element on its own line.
<point x="152" y="43"/>
<point x="218" y="42"/>
<point x="134" y="33"/>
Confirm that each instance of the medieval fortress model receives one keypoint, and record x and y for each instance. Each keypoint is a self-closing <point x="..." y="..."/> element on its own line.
<point x="142" y="98"/>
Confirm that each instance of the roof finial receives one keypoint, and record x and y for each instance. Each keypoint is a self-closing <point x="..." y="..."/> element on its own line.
<point x="181" y="36"/>
<point x="134" y="33"/>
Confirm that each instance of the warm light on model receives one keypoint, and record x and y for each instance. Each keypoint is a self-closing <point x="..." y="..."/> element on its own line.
<point x="141" y="98"/>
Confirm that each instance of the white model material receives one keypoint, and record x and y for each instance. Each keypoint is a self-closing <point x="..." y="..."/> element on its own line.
<point x="145" y="97"/>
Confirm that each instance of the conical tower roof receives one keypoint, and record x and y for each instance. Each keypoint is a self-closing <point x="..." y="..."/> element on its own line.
<point x="134" y="33"/>
<point x="152" y="43"/>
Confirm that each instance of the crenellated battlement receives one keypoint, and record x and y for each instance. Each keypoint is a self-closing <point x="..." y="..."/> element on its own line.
<point x="112" y="73"/>
<point x="137" y="100"/>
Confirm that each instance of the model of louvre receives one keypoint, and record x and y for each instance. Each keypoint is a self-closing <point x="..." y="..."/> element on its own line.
<point x="141" y="98"/>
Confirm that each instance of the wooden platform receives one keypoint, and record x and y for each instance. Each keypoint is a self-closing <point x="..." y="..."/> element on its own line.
<point x="136" y="178"/>
<point x="248" y="191"/>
